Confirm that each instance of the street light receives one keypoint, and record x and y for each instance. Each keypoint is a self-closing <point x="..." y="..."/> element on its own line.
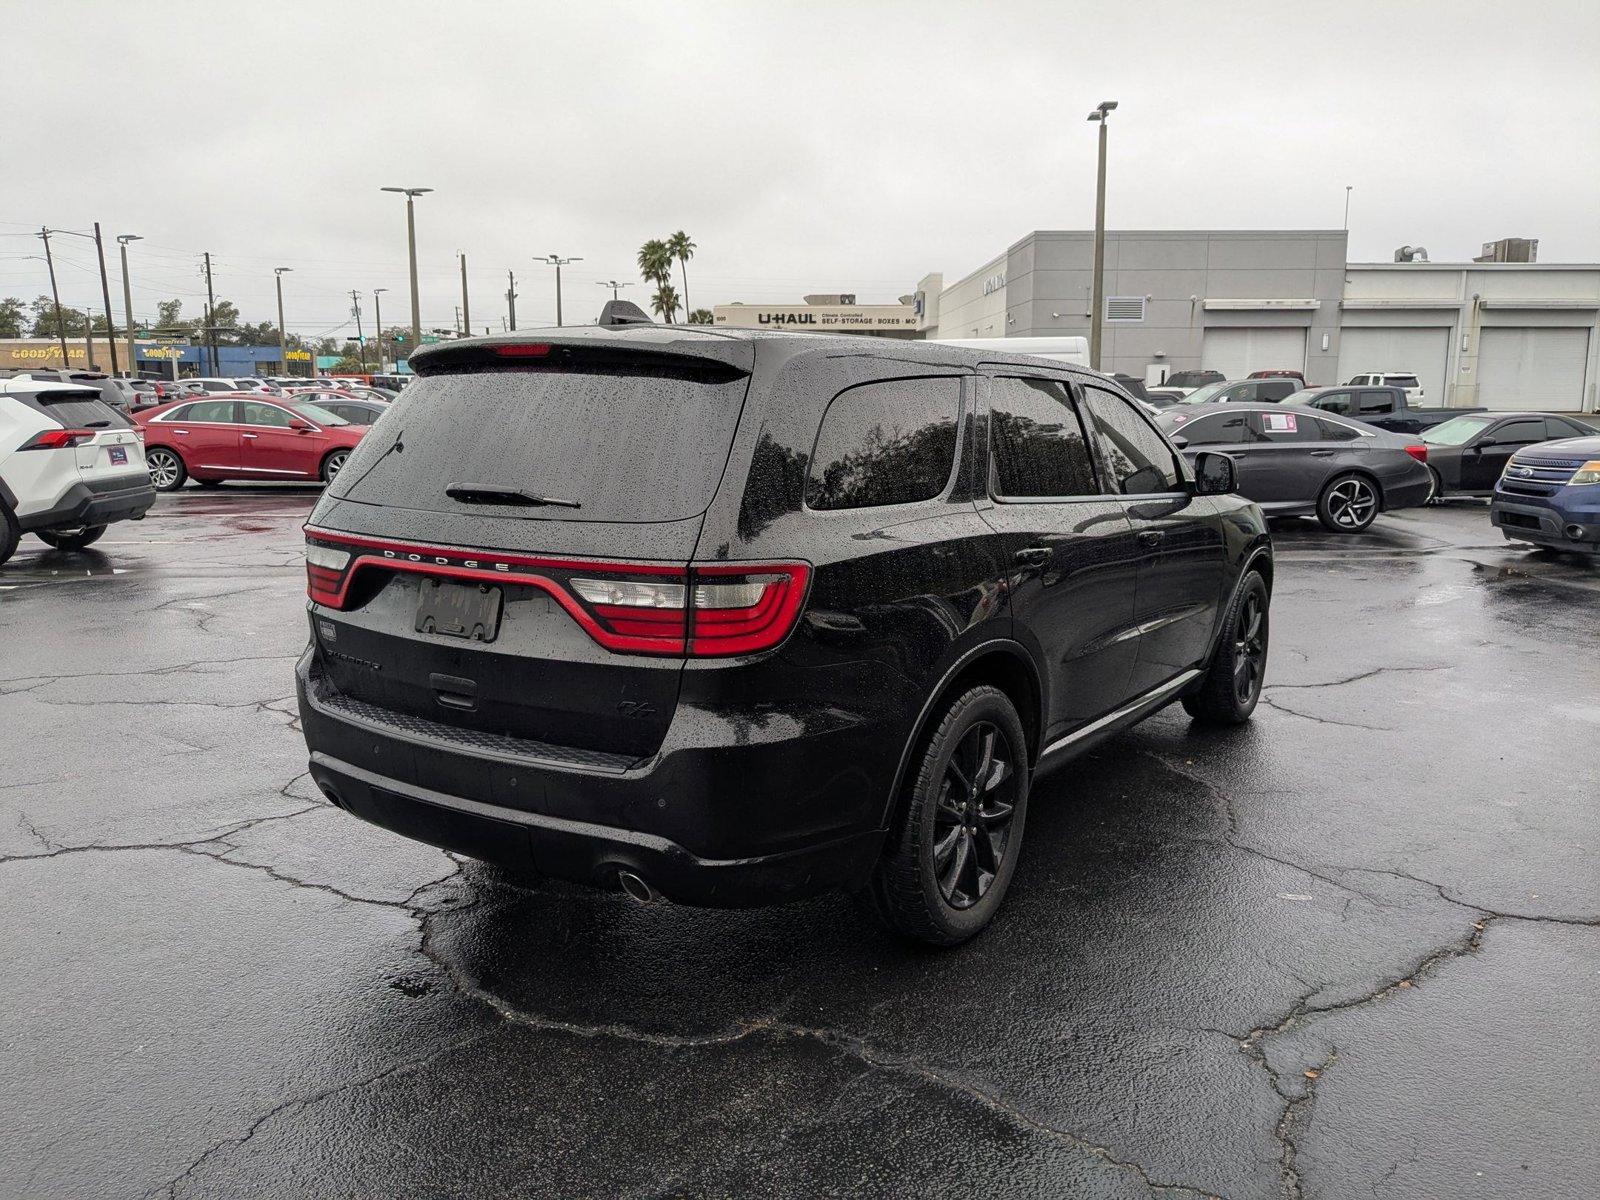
<point x="377" y="317"/>
<point x="1099" y="115"/>
<point x="556" y="261"/>
<point x="283" y="331"/>
<point x="127" y="295"/>
<point x="614" y="286"/>
<point x="411" y="193"/>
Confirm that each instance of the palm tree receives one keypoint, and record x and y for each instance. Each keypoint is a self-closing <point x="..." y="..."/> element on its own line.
<point x="701" y="316"/>
<point x="665" y="302"/>
<point x="682" y="249"/>
<point x="655" y="263"/>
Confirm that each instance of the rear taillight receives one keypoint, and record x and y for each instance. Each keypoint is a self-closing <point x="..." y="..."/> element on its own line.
<point x="705" y="610"/>
<point x="57" y="439"/>
<point x="1418" y="452"/>
<point x="524" y="350"/>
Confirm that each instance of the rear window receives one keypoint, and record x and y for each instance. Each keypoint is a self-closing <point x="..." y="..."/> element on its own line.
<point x="1404" y="381"/>
<point x="885" y="443"/>
<point x="626" y="443"/>
<point x="76" y="409"/>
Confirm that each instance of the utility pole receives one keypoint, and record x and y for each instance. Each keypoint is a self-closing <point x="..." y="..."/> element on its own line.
<point x="411" y="244"/>
<point x="283" y="330"/>
<point x="511" y="298"/>
<point x="377" y="321"/>
<point x="461" y="331"/>
<point x="1101" y="112"/>
<point x="127" y="297"/>
<point x="61" y="326"/>
<point x="1347" y="188"/>
<point x="361" y="342"/>
<point x="105" y="295"/>
<point x="558" y="262"/>
<point x="466" y="308"/>
<point x="615" y="286"/>
<point x="211" y="319"/>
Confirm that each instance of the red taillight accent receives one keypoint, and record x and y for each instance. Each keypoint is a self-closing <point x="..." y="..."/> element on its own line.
<point x="1418" y="452"/>
<point x="675" y="627"/>
<point x="524" y="350"/>
<point x="57" y="439"/>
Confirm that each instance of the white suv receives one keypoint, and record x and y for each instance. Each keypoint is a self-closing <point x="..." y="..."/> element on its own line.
<point x="1400" y="379"/>
<point x="70" y="464"/>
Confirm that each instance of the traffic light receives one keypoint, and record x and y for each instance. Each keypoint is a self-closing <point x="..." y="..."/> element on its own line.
<point x="398" y="339"/>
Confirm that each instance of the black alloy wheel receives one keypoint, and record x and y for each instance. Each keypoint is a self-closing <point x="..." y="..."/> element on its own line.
<point x="1249" y="649"/>
<point x="972" y="819"/>
<point x="1231" y="687"/>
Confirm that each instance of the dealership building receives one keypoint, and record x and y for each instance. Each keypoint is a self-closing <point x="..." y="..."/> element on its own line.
<point x="1501" y="334"/>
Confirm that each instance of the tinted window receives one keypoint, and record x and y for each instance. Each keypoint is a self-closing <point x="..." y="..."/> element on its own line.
<point x="78" y="409"/>
<point x="1519" y="433"/>
<point x="264" y="414"/>
<point x="885" y="443"/>
<point x="628" y="442"/>
<point x="1333" y="431"/>
<point x="1376" y="402"/>
<point x="1278" y="428"/>
<point x="1401" y="381"/>
<point x="1276" y="389"/>
<point x="1141" y="462"/>
<point x="206" y="410"/>
<point x="1037" y="447"/>
<point x="1220" y="429"/>
<point x="1334" y="402"/>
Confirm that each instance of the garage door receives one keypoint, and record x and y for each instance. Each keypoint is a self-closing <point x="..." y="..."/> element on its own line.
<point x="1418" y="351"/>
<point x="1237" y="352"/>
<point x="1532" y="368"/>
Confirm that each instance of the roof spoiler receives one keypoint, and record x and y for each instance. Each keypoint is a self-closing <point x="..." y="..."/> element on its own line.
<point x="623" y="312"/>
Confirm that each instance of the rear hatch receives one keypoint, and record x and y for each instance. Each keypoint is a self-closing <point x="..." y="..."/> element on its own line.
<point x="506" y="555"/>
<point x="107" y="448"/>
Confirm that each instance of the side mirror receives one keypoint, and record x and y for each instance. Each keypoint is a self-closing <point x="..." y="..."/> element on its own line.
<point x="1483" y="443"/>
<point x="300" y="426"/>
<point x="1182" y="443"/>
<point x="1214" y="474"/>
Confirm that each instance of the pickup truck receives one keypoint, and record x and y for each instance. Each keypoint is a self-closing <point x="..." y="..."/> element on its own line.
<point x="1386" y="407"/>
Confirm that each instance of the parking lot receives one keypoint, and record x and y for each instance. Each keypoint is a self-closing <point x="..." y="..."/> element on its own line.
<point x="1347" y="950"/>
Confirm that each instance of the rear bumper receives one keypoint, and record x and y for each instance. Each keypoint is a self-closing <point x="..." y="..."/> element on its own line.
<point x="95" y="502"/>
<point x="1410" y="493"/>
<point x="718" y="822"/>
<point x="1550" y="522"/>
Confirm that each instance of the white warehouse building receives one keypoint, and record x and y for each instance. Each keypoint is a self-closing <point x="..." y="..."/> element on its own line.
<point x="1499" y="334"/>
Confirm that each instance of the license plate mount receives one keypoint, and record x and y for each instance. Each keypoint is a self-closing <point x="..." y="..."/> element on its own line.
<point x="119" y="456"/>
<point x="463" y="610"/>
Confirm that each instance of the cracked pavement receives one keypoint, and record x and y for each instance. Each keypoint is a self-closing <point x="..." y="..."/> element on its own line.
<point x="1348" y="950"/>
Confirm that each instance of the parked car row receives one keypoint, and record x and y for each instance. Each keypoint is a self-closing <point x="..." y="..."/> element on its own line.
<point x="251" y="436"/>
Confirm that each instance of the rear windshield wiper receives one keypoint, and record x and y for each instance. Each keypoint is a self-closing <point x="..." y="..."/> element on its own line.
<point x="493" y="493"/>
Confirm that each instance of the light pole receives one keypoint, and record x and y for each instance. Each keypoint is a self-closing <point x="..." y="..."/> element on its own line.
<point x="283" y="331"/>
<point x="411" y="193"/>
<point x="1100" y="114"/>
<point x="1347" y="188"/>
<point x="615" y="287"/>
<point x="127" y="295"/>
<point x="377" y="319"/>
<point x="556" y="261"/>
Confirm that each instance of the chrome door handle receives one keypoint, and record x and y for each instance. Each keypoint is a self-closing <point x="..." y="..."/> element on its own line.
<point x="180" y="433"/>
<point x="250" y="435"/>
<point x="1151" y="537"/>
<point x="1033" y="556"/>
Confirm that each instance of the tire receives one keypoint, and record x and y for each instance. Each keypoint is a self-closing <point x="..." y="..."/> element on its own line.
<point x="78" y="539"/>
<point x="953" y="849"/>
<point x="10" y="532"/>
<point x="1435" y="487"/>
<point x="1348" y="504"/>
<point x="333" y="464"/>
<point x="167" y="471"/>
<point x="1231" y="687"/>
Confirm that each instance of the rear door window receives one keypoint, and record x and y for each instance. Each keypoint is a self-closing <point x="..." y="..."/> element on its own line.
<point x="215" y="412"/>
<point x="627" y="442"/>
<point x="1375" y="403"/>
<point x="1219" y="429"/>
<point x="1037" y="445"/>
<point x="885" y="443"/>
<point x="1141" y="461"/>
<point x="1283" y="428"/>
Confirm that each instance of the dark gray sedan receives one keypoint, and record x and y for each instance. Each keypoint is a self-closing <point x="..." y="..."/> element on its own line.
<point x="1296" y="462"/>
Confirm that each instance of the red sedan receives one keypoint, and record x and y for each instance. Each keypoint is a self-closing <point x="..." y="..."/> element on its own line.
<point x="254" y="437"/>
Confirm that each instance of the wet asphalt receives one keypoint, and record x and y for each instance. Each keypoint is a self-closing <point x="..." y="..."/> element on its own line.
<point x="1350" y="950"/>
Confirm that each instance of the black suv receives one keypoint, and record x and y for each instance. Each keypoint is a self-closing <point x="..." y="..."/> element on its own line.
<point x="737" y="618"/>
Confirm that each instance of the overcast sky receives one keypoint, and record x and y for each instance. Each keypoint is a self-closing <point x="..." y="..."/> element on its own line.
<point x="806" y="147"/>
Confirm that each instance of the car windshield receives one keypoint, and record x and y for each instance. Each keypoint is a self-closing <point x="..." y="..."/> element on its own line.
<point x="319" y="414"/>
<point x="1457" y="431"/>
<point x="1202" y="394"/>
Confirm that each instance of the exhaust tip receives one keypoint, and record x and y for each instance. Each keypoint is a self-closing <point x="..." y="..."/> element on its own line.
<point x="637" y="888"/>
<point x="1575" y="532"/>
